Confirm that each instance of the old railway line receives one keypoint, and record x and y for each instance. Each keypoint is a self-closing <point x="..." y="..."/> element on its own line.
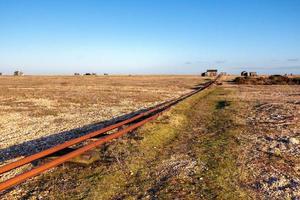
<point x="131" y="124"/>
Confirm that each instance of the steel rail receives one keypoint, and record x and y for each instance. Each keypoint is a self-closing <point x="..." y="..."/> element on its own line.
<point x="156" y="111"/>
<point x="71" y="142"/>
<point x="29" y="174"/>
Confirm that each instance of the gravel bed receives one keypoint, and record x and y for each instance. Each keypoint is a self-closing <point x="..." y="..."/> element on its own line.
<point x="273" y="140"/>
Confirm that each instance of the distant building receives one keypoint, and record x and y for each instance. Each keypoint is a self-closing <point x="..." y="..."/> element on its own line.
<point x="18" y="73"/>
<point x="90" y="74"/>
<point x="210" y="72"/>
<point x="252" y="74"/>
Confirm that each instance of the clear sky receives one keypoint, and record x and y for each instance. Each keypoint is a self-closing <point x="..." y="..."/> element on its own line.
<point x="149" y="36"/>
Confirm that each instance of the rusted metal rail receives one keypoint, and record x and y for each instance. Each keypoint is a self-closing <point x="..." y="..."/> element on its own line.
<point x="69" y="143"/>
<point x="137" y="121"/>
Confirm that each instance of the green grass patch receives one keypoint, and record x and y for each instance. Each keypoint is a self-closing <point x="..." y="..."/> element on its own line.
<point x="219" y="149"/>
<point x="147" y="152"/>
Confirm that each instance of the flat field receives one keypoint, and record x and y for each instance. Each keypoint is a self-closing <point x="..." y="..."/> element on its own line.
<point x="37" y="112"/>
<point x="230" y="141"/>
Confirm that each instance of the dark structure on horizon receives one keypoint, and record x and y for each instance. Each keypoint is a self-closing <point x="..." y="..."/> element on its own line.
<point x="90" y="74"/>
<point x="245" y="73"/>
<point x="18" y="73"/>
<point x="210" y="72"/>
<point x="252" y="74"/>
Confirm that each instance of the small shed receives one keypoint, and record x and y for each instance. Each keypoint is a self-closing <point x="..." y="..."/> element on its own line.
<point x="211" y="72"/>
<point x="18" y="73"/>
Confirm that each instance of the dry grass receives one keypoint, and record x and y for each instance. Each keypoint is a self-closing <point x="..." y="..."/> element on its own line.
<point x="85" y="91"/>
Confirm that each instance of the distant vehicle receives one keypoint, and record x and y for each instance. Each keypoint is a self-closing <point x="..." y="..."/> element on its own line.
<point x="105" y="74"/>
<point x="76" y="74"/>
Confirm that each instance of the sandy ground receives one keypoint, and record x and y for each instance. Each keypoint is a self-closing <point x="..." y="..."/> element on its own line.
<point x="37" y="112"/>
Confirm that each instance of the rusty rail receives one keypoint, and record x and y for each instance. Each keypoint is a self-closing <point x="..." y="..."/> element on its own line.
<point x="149" y="115"/>
<point x="69" y="143"/>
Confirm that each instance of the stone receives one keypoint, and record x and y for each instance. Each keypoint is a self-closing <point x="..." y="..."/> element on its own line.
<point x="294" y="141"/>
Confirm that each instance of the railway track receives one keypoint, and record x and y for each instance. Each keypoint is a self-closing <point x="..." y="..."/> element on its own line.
<point x="122" y="127"/>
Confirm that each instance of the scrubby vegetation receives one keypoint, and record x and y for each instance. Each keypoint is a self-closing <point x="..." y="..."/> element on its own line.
<point x="270" y="80"/>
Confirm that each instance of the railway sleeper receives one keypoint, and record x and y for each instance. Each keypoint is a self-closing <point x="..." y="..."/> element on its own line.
<point x="87" y="158"/>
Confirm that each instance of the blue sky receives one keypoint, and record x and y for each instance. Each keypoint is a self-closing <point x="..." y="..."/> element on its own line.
<point x="149" y="36"/>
